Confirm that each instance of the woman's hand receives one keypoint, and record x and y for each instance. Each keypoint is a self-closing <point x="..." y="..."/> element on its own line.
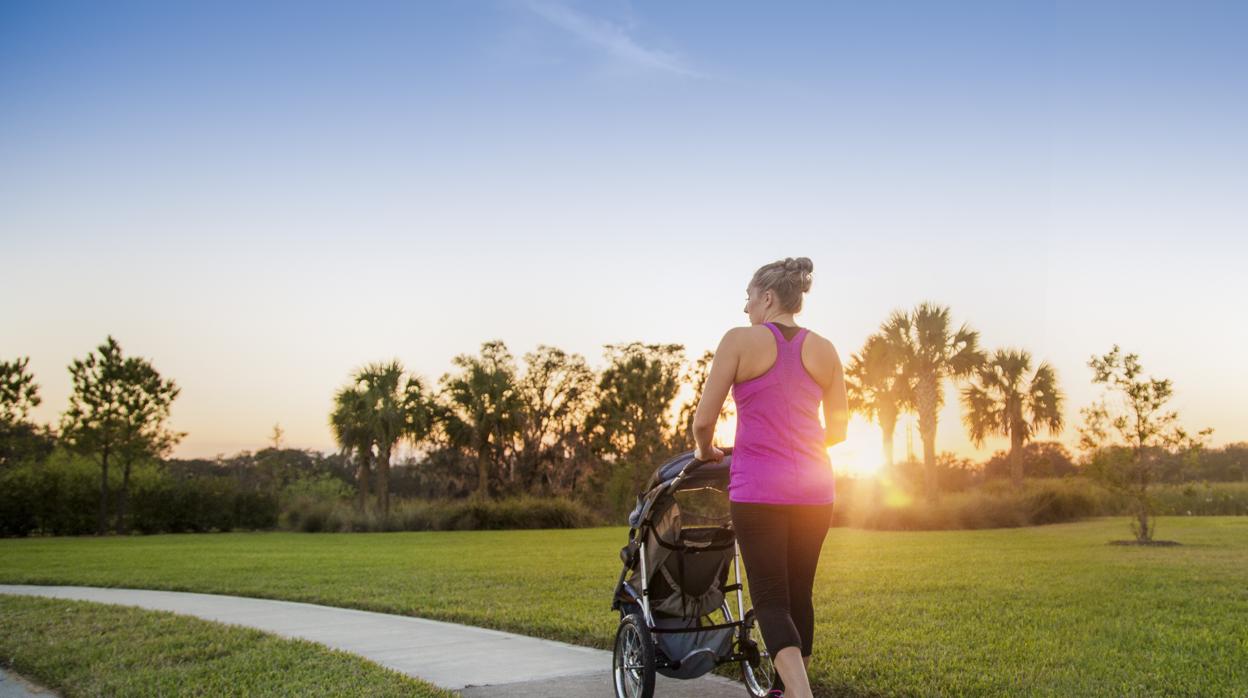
<point x="712" y="456"/>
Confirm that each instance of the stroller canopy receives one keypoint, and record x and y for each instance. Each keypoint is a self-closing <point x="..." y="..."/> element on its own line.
<point x="696" y="475"/>
<point x="714" y="474"/>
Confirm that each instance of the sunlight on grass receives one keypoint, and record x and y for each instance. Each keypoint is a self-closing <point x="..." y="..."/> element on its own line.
<point x="1040" y="611"/>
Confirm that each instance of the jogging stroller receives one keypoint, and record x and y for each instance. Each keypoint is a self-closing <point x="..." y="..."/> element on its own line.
<point x="675" y="618"/>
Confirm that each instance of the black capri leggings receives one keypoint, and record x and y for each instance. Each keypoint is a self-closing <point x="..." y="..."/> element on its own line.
<point x="780" y="546"/>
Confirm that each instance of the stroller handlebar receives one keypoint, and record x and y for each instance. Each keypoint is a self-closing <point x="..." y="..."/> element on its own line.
<point x="694" y="463"/>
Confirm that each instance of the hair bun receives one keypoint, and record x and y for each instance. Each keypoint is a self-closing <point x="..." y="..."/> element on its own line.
<point x="788" y="277"/>
<point x="802" y="268"/>
<point x="799" y="264"/>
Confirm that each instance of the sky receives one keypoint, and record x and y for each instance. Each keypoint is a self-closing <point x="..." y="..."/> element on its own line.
<point x="261" y="197"/>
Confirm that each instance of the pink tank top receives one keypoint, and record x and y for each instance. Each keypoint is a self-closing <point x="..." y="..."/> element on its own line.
<point x="779" y="456"/>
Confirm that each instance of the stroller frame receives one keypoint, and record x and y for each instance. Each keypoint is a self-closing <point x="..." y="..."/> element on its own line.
<point x="637" y="618"/>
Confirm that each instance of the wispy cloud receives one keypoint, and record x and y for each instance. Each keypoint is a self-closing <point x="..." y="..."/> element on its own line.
<point x="610" y="37"/>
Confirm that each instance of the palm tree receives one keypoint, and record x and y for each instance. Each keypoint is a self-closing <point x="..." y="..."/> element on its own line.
<point x="484" y="408"/>
<point x="1002" y="399"/>
<point x="396" y="408"/>
<point x="878" y="387"/>
<point x="349" y="422"/>
<point x="931" y="353"/>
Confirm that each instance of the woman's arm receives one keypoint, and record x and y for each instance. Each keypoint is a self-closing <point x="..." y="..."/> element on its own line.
<point x="718" y="382"/>
<point x="835" y="403"/>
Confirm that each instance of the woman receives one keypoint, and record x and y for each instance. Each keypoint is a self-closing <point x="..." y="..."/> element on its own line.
<point x="781" y="486"/>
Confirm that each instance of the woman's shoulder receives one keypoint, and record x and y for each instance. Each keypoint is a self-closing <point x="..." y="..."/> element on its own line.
<point x="746" y="335"/>
<point x="746" y="332"/>
<point x="819" y="342"/>
<point x="821" y="360"/>
<point x="743" y="340"/>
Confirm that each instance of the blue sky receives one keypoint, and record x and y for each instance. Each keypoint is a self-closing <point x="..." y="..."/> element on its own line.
<point x="262" y="196"/>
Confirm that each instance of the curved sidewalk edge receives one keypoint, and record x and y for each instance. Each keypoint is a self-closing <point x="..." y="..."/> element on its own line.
<point x="14" y="686"/>
<point x="477" y="661"/>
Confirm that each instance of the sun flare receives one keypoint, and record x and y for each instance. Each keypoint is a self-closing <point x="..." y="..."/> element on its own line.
<point x="861" y="454"/>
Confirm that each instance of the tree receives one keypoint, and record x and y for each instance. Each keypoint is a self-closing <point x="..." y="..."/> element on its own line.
<point x="1004" y="397"/>
<point x="19" y="394"/>
<point x="878" y="388"/>
<point x="352" y="432"/>
<point x="395" y="407"/>
<point x="118" y="412"/>
<point x="554" y="393"/>
<point x="1040" y="459"/>
<point x="481" y="407"/>
<point x="632" y="420"/>
<point x="1127" y="432"/>
<point x="932" y="352"/>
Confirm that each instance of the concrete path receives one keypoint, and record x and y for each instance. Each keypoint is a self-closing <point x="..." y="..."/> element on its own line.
<point x="479" y="662"/>
<point x="14" y="686"/>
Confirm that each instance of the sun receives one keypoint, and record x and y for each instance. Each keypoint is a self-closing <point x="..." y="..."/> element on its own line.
<point x="862" y="453"/>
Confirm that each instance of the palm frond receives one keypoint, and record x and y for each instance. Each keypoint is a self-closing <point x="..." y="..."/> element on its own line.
<point x="1045" y="401"/>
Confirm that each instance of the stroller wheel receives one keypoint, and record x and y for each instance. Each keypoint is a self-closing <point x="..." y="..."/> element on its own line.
<point x="633" y="662"/>
<point x="757" y="672"/>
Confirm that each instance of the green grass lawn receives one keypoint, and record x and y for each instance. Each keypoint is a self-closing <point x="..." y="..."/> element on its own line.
<point x="88" y="649"/>
<point x="1050" y="610"/>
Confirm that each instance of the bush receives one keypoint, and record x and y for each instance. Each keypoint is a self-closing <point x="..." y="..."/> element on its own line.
<point x="1202" y="499"/>
<point x="164" y="503"/>
<point x="61" y="496"/>
<point x="309" y="504"/>
<point x="17" y="507"/>
<point x="316" y="515"/>
<point x="255" y="511"/>
<point x="58" y="496"/>
<point x="995" y="504"/>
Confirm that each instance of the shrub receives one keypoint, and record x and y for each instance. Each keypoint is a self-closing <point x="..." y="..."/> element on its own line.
<point x="196" y="503"/>
<point x="995" y="504"/>
<point x="18" y="515"/>
<point x="1202" y="499"/>
<point x="308" y="504"/>
<point x="60" y="496"/>
<point x="313" y="515"/>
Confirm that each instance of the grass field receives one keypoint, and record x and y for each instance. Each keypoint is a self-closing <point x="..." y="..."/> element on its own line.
<point x="68" y="645"/>
<point x="1049" y="610"/>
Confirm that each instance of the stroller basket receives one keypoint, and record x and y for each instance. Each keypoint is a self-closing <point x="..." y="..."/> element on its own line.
<point x="690" y="654"/>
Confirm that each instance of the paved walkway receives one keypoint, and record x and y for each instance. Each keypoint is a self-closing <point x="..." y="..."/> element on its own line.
<point x="14" y="686"/>
<point x="479" y="662"/>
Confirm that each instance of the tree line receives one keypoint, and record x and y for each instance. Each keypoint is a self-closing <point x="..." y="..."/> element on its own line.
<point x="548" y="424"/>
<point x="1127" y="435"/>
<point x="489" y="429"/>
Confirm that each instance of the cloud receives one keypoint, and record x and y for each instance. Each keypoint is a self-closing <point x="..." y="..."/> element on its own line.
<point x="611" y="38"/>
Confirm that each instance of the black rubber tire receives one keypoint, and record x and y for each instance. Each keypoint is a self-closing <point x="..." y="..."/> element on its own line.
<point x="757" y="679"/>
<point x="635" y="646"/>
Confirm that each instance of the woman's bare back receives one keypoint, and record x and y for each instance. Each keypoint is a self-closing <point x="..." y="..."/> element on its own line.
<point x="757" y="354"/>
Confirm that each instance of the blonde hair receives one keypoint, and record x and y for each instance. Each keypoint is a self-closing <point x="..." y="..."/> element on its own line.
<point x="788" y="278"/>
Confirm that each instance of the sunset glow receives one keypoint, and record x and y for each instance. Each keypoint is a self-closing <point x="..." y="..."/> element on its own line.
<point x="454" y="173"/>
<point x="862" y="453"/>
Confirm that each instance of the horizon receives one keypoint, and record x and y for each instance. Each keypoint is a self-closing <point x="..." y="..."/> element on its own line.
<point x="340" y="187"/>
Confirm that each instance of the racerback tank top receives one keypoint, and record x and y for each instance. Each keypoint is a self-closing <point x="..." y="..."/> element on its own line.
<point x="778" y="456"/>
